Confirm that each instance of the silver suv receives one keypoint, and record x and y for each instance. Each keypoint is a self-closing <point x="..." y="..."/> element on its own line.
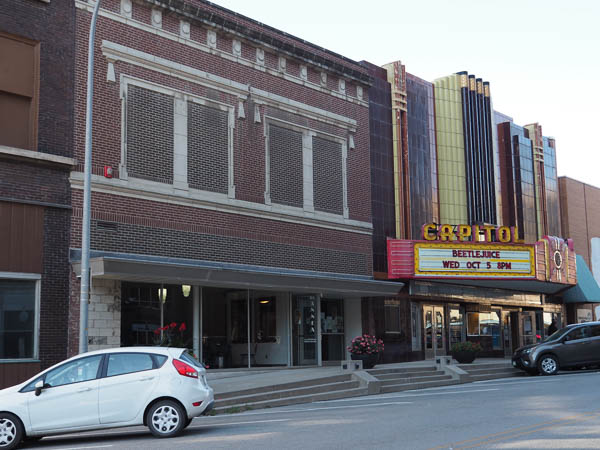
<point x="576" y="345"/>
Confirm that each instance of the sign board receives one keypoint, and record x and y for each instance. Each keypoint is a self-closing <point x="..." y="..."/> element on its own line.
<point x="453" y="259"/>
<point x="584" y="315"/>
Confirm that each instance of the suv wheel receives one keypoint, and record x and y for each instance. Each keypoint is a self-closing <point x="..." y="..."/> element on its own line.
<point x="548" y="365"/>
<point x="166" y="419"/>
<point x="11" y="431"/>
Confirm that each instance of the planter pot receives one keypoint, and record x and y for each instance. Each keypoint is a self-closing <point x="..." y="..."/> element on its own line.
<point x="464" y="357"/>
<point x="369" y="361"/>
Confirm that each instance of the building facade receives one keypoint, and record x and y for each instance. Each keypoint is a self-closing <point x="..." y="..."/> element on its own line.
<point x="231" y="207"/>
<point x="467" y="176"/>
<point x="580" y="220"/>
<point x="36" y="126"/>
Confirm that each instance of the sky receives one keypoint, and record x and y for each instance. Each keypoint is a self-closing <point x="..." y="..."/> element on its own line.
<point x="542" y="58"/>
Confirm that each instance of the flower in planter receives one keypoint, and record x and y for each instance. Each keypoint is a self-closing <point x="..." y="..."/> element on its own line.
<point x="468" y="346"/>
<point x="365" y="345"/>
<point x="172" y="335"/>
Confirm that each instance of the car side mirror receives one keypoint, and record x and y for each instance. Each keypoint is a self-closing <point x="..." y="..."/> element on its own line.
<point x="38" y="387"/>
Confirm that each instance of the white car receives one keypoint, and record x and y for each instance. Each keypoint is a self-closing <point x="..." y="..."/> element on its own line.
<point x="163" y="388"/>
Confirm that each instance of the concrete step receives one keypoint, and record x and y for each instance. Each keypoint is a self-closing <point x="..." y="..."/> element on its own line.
<point x="389" y="376"/>
<point x="335" y="395"/>
<point x="283" y="393"/>
<point x="419" y="385"/>
<point x="492" y="371"/>
<point x="497" y="376"/>
<point x="377" y="372"/>
<point x="396" y="381"/>
<point x="284" y="386"/>
<point x="467" y="367"/>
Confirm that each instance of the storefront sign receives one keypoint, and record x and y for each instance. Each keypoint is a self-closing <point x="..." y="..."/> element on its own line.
<point x="473" y="260"/>
<point x="470" y="233"/>
<point x="584" y="315"/>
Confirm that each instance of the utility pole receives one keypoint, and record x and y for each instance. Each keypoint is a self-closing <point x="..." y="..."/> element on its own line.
<point x="87" y="193"/>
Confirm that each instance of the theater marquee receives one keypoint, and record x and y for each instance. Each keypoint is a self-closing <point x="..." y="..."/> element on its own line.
<point x="454" y="259"/>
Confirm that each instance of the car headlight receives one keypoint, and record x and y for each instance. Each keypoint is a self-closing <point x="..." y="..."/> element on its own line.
<point x="528" y="351"/>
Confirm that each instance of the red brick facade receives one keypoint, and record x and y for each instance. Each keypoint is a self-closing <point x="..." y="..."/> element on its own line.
<point x="226" y="180"/>
<point x="34" y="186"/>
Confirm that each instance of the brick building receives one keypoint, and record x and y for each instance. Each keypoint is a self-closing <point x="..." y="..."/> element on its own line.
<point x="36" y="130"/>
<point x="230" y="186"/>
<point x="580" y="221"/>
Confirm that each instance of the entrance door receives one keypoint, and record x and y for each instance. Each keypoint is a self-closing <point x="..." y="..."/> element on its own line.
<point x="528" y="328"/>
<point x="304" y="330"/>
<point x="507" y="334"/>
<point x="332" y="329"/>
<point x="433" y="326"/>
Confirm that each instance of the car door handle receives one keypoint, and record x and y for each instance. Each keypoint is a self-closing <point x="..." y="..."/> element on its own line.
<point x="85" y="389"/>
<point x="145" y="378"/>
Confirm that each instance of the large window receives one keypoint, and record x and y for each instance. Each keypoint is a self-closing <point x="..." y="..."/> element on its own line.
<point x="18" y="308"/>
<point x="19" y="85"/>
<point x="392" y="316"/>
<point x="483" y="324"/>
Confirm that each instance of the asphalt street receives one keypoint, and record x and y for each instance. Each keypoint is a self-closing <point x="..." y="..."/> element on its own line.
<point x="559" y="412"/>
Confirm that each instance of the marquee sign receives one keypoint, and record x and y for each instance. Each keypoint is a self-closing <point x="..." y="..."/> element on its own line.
<point x="473" y="260"/>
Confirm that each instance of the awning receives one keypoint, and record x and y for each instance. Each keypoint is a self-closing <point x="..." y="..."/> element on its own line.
<point x="586" y="290"/>
<point x="155" y="269"/>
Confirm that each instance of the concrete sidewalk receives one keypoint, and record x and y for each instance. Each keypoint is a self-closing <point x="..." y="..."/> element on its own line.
<point x="233" y="380"/>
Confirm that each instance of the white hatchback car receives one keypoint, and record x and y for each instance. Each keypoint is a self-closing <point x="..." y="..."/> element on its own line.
<point x="163" y="388"/>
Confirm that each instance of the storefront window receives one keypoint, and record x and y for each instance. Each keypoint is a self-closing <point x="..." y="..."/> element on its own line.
<point x="484" y="324"/>
<point x="552" y="323"/>
<point x="456" y="326"/>
<point x="265" y="319"/>
<point x="392" y="316"/>
<point x="17" y="317"/>
<point x="473" y="324"/>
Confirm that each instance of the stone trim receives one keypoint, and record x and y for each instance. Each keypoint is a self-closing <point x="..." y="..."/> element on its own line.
<point x="207" y="47"/>
<point x="37" y="156"/>
<point x="118" y="52"/>
<point x="158" y="192"/>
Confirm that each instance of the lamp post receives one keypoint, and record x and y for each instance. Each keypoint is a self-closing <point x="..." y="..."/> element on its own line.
<point x="87" y="193"/>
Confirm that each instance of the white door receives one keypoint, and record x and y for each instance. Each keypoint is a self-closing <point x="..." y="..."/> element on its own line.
<point x="129" y="382"/>
<point x="70" y="398"/>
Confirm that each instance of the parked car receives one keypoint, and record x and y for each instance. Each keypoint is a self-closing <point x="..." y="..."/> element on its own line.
<point x="163" y="388"/>
<point x="576" y="345"/>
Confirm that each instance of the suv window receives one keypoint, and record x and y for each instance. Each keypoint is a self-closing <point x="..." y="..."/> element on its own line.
<point x="83" y="369"/>
<point x="122" y="363"/>
<point x="595" y="331"/>
<point x="578" y="333"/>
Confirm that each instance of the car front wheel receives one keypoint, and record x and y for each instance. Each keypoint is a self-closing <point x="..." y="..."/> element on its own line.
<point x="548" y="365"/>
<point x="11" y="431"/>
<point x="166" y="419"/>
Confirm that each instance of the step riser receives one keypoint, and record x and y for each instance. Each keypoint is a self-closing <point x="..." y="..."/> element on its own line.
<point x="411" y="386"/>
<point x="299" y="400"/>
<point x="376" y="372"/>
<point x="287" y="393"/>
<point x="415" y="380"/>
<point x="492" y="372"/>
<point x="285" y="386"/>
<point x="389" y="376"/>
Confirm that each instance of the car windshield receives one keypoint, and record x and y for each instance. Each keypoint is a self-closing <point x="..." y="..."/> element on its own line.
<point x="554" y="336"/>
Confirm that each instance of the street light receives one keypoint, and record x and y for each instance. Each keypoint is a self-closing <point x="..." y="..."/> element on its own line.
<point x="87" y="193"/>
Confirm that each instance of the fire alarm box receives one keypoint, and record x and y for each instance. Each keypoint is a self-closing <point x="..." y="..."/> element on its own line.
<point x="108" y="171"/>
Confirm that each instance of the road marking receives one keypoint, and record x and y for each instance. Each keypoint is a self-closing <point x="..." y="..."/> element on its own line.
<point x="319" y="409"/>
<point x="509" y="434"/>
<point x="389" y="396"/>
<point x="81" y="448"/>
<point x="204" y="425"/>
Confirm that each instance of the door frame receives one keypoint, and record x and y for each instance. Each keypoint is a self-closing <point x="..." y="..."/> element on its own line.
<point x="434" y="351"/>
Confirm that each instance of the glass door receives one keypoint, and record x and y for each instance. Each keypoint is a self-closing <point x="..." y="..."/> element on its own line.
<point x="332" y="329"/>
<point x="304" y="329"/>
<point x="456" y="326"/>
<point x="433" y="326"/>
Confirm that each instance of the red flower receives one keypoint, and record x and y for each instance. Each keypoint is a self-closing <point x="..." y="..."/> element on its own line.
<point x="173" y="324"/>
<point x="157" y="331"/>
<point x="182" y="327"/>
